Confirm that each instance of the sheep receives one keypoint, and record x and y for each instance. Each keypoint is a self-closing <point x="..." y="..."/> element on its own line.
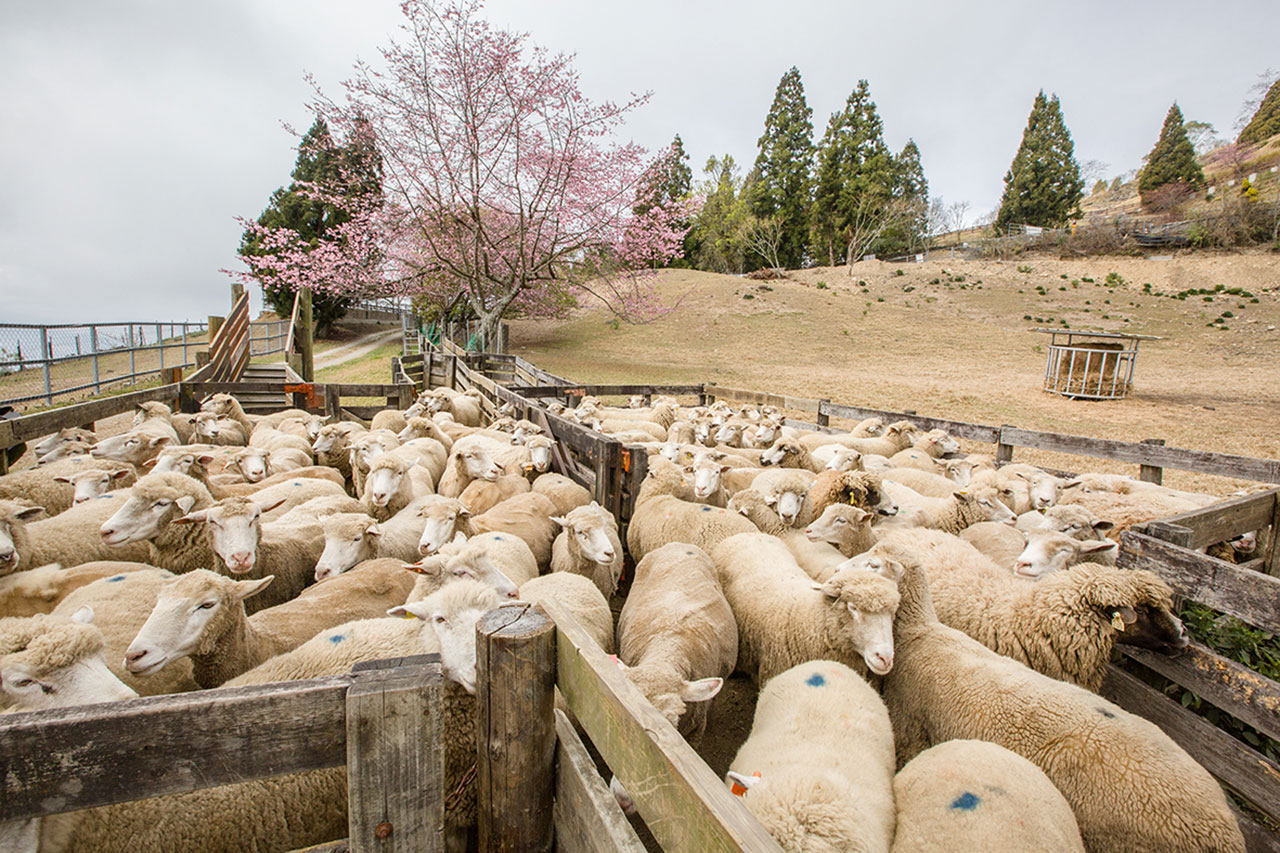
<point x="947" y="685"/>
<point x="819" y="560"/>
<point x="868" y="428"/>
<point x="255" y="463"/>
<point x="226" y="406"/>
<point x="785" y="618"/>
<point x="1066" y="518"/>
<point x="817" y="768"/>
<point x="389" y="419"/>
<point x="1026" y="487"/>
<point x="950" y="515"/>
<point x="65" y="451"/>
<point x="681" y="432"/>
<point x="331" y="447"/>
<point x="245" y="547"/>
<point x="122" y="603"/>
<point x="363" y="449"/>
<point x="66" y="435"/>
<point x="1064" y="625"/>
<point x="763" y="434"/>
<point x="564" y="493"/>
<point x="846" y="527"/>
<point x="472" y="458"/>
<point x="417" y="427"/>
<point x="483" y="495"/>
<point x="1124" y="510"/>
<point x="617" y="425"/>
<point x="862" y="489"/>
<point x="71" y="537"/>
<point x="202" y="615"/>
<point x="532" y="458"/>
<point x="464" y="408"/>
<point x="308" y="808"/>
<point x="837" y="457"/>
<point x="527" y="516"/>
<point x="896" y="436"/>
<point x="154" y="418"/>
<point x="15" y="542"/>
<point x="391" y="485"/>
<point x="56" y="661"/>
<point x="40" y="589"/>
<point x="974" y="795"/>
<point x="580" y="597"/>
<point x="785" y="453"/>
<point x="95" y="482"/>
<point x="661" y="413"/>
<point x="47" y="485"/>
<point x="1049" y="551"/>
<point x="677" y="638"/>
<point x="589" y="546"/>
<point x="154" y="502"/>
<point x="351" y="538"/>
<point x="219" y="431"/>
<point x="786" y="490"/>
<point x="664" y="513"/>
<point x="923" y="482"/>
<point x="708" y="479"/>
<point x="501" y="560"/>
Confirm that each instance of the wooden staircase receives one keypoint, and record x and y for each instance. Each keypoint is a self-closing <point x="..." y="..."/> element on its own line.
<point x="264" y="403"/>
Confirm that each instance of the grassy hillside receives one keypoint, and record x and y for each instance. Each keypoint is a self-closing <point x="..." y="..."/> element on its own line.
<point x="951" y="339"/>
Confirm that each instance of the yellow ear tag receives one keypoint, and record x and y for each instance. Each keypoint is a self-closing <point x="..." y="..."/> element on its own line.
<point x="408" y="615"/>
<point x="1117" y="621"/>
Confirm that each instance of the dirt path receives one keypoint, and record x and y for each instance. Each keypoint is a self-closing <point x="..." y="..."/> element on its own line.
<point x="355" y="349"/>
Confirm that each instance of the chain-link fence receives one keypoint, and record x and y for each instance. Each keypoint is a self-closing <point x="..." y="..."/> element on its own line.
<point x="39" y="363"/>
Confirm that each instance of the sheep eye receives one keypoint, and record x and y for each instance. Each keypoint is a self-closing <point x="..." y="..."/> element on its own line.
<point x="439" y="620"/>
<point x="161" y="504"/>
<point x="208" y="605"/>
<point x="459" y="573"/>
<point x="358" y="539"/>
<point x="23" y="682"/>
<point x="840" y="521"/>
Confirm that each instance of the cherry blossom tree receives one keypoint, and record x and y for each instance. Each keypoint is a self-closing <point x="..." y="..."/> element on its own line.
<point x="502" y="181"/>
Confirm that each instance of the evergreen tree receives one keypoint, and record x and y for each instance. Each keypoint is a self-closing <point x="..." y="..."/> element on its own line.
<point x="781" y="188"/>
<point x="717" y="228"/>
<point x="1266" y="121"/>
<point x="1043" y="185"/>
<point x="911" y="189"/>
<point x="853" y="164"/>
<point x="1172" y="160"/>
<point x="668" y="178"/>
<point x="354" y="169"/>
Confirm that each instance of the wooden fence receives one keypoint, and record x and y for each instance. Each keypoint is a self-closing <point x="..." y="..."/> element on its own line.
<point x="229" y="347"/>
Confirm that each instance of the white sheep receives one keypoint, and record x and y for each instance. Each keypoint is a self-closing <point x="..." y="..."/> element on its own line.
<point x="48" y="485"/>
<point x="527" y="516"/>
<point x="819" y="560"/>
<point x="1049" y="551"/>
<point x="589" y="546"/>
<point x="785" y="618"/>
<point x="71" y="537"/>
<point x="817" y="768"/>
<point x="392" y="484"/>
<point x="201" y="615"/>
<point x="39" y="590"/>
<point x="952" y="514"/>
<point x="351" y="538"/>
<point x="66" y="435"/>
<point x="974" y="795"/>
<point x="664" y="513"/>
<point x="220" y="431"/>
<point x="580" y="597"/>
<point x="147" y="516"/>
<point x="483" y="495"/>
<point x="472" y="458"/>
<point x="94" y="482"/>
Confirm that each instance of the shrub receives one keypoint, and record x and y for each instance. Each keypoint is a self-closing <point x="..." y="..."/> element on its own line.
<point x="899" y="272"/>
<point x="822" y="285"/>
<point x="1022" y="268"/>
<point x="1114" y="279"/>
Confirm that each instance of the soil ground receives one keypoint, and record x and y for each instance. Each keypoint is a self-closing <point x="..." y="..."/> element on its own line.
<point x="952" y="338"/>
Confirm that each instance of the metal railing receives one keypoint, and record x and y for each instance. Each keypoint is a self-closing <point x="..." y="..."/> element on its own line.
<point x="267" y="336"/>
<point x="41" y="362"/>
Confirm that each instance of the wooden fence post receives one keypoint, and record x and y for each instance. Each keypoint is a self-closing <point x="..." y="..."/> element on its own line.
<point x="1272" y="565"/>
<point x="332" y="404"/>
<point x="515" y="729"/>
<point x="823" y="419"/>
<point x="1151" y="473"/>
<point x="303" y="335"/>
<point x="395" y="758"/>
<point x="1004" y="452"/>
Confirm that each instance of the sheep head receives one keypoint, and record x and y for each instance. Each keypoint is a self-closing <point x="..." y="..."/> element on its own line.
<point x="863" y="604"/>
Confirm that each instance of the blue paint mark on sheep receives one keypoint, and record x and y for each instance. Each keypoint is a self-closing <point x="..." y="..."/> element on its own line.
<point x="1104" y="712"/>
<point x="815" y="680"/>
<point x="706" y="509"/>
<point x="498" y="539"/>
<point x="337" y="638"/>
<point x="116" y="578"/>
<point x="966" y="802"/>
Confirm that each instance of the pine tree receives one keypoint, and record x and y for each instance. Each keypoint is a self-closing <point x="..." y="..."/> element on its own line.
<point x="1266" y="121"/>
<point x="1043" y="185"/>
<point x="1172" y="160"/>
<point x="911" y="189"/>
<point x="854" y="165"/>
<point x="355" y="169"/>
<point x="668" y="178"/>
<point x="781" y="188"/>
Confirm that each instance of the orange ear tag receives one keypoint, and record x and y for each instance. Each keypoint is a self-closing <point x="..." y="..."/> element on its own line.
<point x="737" y="790"/>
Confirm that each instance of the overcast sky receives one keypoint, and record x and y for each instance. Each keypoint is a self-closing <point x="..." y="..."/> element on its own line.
<point x="134" y="132"/>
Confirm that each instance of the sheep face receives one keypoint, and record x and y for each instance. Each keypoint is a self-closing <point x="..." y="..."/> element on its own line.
<point x="178" y="460"/>
<point x="60" y="664"/>
<point x="474" y="563"/>
<point x="1155" y="628"/>
<point x="787" y="504"/>
<point x="836" y="522"/>
<point x="706" y="476"/>
<point x="730" y="434"/>
<point x="702" y="433"/>
<point x="144" y="516"/>
<point x="66" y="450"/>
<point x="958" y="471"/>
<point x="12" y="515"/>
<point x="367" y="448"/>
<point x="476" y="464"/>
<point x="1048" y="551"/>
<point x="252" y="463"/>
<point x="182" y="616"/>
<point x="235" y="529"/>
<point x="937" y="443"/>
<point x="349" y="539"/>
<point x="136" y="448"/>
<point x="1043" y="490"/>
<point x="1246" y="544"/>
<point x="864" y="603"/>
<point x="779" y="452"/>
<point x="444" y="517"/>
<point x="870" y="427"/>
<point x="452" y="613"/>
<point x="988" y="505"/>
<point x="384" y="481"/>
<point x="93" y="483"/>
<point x="540" y="453"/>
<point x="766" y="433"/>
<point x="586" y="525"/>
<point x="65" y="435"/>
<point x="844" y="459"/>
<point x="1138" y="604"/>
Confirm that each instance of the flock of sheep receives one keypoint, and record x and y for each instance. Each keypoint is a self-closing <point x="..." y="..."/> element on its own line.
<point x="902" y="608"/>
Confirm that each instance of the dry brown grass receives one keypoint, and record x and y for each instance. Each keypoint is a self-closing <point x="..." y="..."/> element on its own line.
<point x="965" y="353"/>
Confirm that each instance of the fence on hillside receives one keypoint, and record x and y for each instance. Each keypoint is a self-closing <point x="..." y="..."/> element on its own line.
<point x="39" y="363"/>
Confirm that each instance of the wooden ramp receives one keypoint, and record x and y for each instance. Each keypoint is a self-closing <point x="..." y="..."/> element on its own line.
<point x="257" y="402"/>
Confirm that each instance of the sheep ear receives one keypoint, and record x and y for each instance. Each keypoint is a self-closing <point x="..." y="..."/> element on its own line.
<point x="702" y="690"/>
<point x="84" y="615"/>
<point x="1126" y="613"/>
<point x="1098" y="546"/>
<point x="150" y="463"/>
<point x="245" y="589"/>
<point x="1071" y="484"/>
<point x="373" y="529"/>
<point x="963" y="497"/>
<point x="119" y="472"/>
<point x="1102" y="526"/>
<point x="771" y="499"/>
<point x="737" y="780"/>
<point x="270" y="507"/>
<point x="560" y="520"/>
<point x="29" y="512"/>
<point x="60" y="479"/>
<point x="185" y="503"/>
<point x="193" y="517"/>
<point x="412" y="610"/>
<point x="161" y="440"/>
<point x="206" y="458"/>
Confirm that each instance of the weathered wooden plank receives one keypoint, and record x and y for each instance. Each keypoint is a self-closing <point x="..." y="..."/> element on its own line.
<point x="328" y="847"/>
<point x="1257" y="838"/>
<point x="515" y="696"/>
<point x="1203" y="461"/>
<point x="1151" y="473"/>
<point x="760" y="398"/>
<point x="808" y="427"/>
<point x="1272" y="545"/>
<point x="588" y="818"/>
<point x="395" y="761"/>
<point x="1251" y="596"/>
<point x="94" y="755"/>
<point x="1221" y="521"/>
<point x="958" y="429"/>
<point x="688" y="807"/>
<point x="1166" y="532"/>
<point x="1244" y="694"/>
<point x="43" y="423"/>
<point x="1246" y="771"/>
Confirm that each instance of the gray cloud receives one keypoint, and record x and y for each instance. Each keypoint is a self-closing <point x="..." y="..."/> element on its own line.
<point x="135" y="132"/>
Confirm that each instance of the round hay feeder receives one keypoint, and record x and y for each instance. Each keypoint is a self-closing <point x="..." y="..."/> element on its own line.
<point x="1091" y="365"/>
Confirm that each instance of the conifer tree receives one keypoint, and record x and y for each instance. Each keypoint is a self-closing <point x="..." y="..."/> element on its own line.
<point x="1266" y="121"/>
<point x="781" y="187"/>
<point x="1043" y="185"/>
<point x="855" y="170"/>
<point x="911" y="189"/>
<point x="1172" y="160"/>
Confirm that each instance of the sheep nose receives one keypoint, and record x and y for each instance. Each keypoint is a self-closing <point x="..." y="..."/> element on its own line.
<point x="608" y="555"/>
<point x="513" y="594"/>
<point x="133" y="660"/>
<point x="1020" y="565"/>
<point x="8" y="556"/>
<point x="81" y="498"/>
